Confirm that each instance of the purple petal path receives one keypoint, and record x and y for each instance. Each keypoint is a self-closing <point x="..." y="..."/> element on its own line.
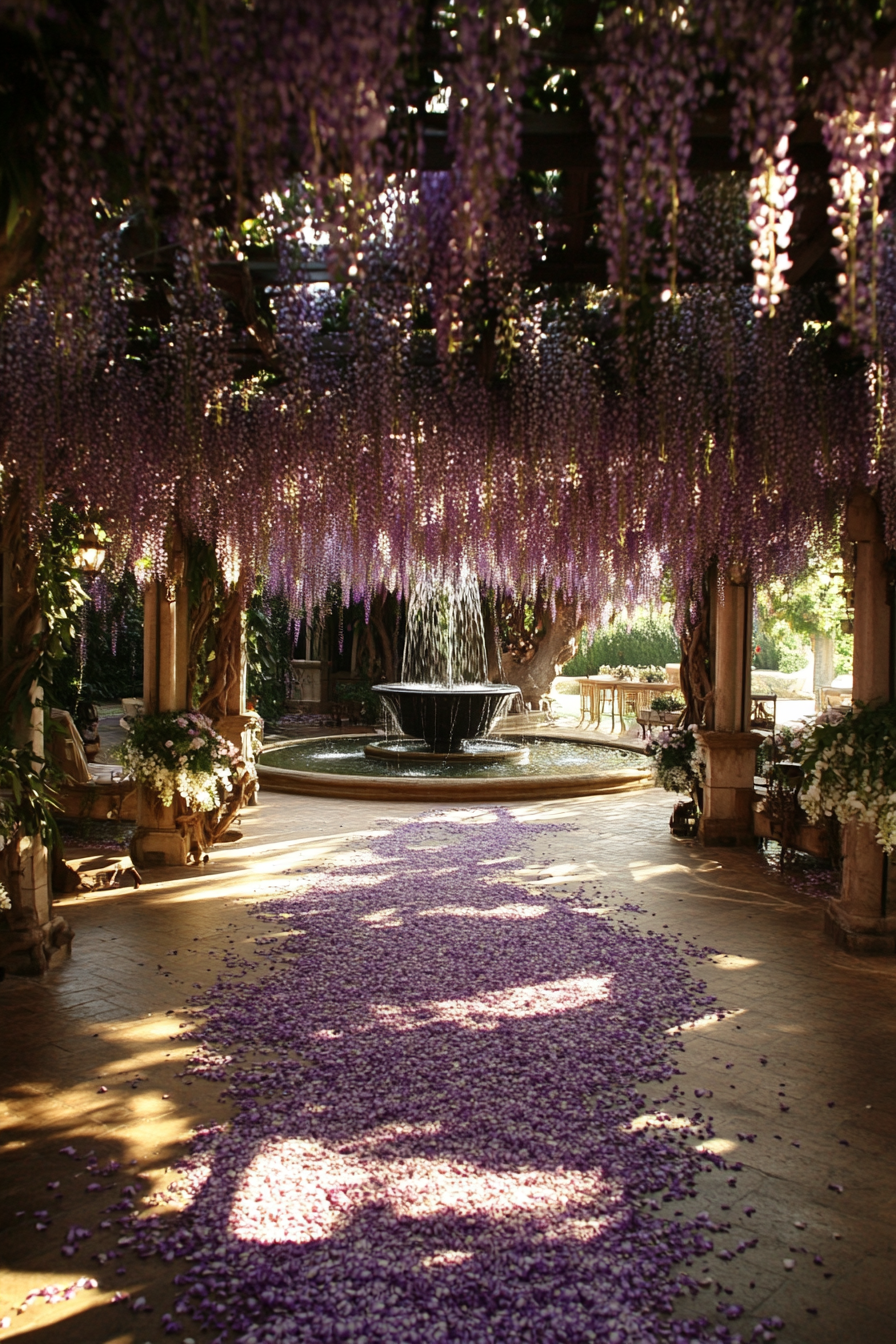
<point x="445" y="1137"/>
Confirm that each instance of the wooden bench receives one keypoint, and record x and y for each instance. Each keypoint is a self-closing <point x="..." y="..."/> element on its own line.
<point x="94" y="791"/>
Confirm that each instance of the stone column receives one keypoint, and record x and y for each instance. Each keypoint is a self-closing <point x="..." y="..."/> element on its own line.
<point x="729" y="745"/>
<point x="158" y="841"/>
<point x="863" y="918"/>
<point x="822" y="665"/>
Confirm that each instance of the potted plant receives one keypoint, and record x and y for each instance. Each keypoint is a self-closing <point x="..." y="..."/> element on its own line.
<point x="668" y="707"/>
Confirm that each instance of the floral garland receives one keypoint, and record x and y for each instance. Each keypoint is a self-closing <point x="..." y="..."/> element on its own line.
<point x="678" y="760"/>
<point x="628" y="672"/>
<point x="849" y="768"/>
<point x="180" y="753"/>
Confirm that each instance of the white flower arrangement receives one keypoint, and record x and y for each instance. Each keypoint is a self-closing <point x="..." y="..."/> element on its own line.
<point x="5" y="902"/>
<point x="677" y="759"/>
<point x="849" y="769"/>
<point x="180" y="754"/>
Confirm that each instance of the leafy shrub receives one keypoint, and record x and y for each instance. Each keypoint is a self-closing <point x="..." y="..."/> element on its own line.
<point x="269" y="644"/>
<point x="667" y="703"/>
<point x="849" y="769"/>
<point x="649" y="641"/>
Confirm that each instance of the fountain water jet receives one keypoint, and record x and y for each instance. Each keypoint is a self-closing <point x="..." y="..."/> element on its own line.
<point x="445" y="698"/>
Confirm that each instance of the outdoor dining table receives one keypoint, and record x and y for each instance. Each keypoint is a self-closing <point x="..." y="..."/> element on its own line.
<point x="591" y="691"/>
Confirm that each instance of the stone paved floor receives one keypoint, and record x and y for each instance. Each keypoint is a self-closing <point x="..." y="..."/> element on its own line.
<point x="824" y="1022"/>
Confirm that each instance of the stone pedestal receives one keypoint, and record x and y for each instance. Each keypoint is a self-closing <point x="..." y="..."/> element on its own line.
<point x="863" y="919"/>
<point x="34" y="939"/>
<point x="157" y="841"/>
<point x="727" y="817"/>
<point x="860" y="920"/>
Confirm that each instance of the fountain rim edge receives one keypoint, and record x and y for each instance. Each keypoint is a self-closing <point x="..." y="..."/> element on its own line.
<point x="461" y="688"/>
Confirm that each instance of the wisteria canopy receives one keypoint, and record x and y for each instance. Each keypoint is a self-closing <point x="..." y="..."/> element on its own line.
<point x="576" y="295"/>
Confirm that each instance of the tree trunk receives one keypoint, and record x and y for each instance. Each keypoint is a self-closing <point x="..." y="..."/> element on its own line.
<point x="696" y="664"/>
<point x="226" y="670"/>
<point x="552" y="644"/>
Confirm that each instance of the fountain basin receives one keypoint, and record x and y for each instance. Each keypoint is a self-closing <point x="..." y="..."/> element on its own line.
<point x="445" y="716"/>
<point x="337" y="767"/>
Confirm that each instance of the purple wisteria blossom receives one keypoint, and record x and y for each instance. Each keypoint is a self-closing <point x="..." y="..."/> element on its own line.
<point x="440" y="1131"/>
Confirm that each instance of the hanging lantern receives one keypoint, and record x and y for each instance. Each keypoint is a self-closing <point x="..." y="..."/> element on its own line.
<point x="91" y="554"/>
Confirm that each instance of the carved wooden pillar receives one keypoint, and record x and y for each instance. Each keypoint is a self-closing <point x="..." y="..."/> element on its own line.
<point x="158" y="840"/>
<point x="863" y="919"/>
<point x="729" y="744"/>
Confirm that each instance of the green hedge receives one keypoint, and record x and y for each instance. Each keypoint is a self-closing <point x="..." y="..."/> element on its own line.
<point x="650" y="640"/>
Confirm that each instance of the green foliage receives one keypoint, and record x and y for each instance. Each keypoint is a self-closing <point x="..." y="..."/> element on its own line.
<point x="650" y="640"/>
<point x="61" y="595"/>
<point x="363" y="692"/>
<point x="27" y="800"/>
<point x="780" y="649"/>
<point x="111" y="624"/>
<point x="793" y="612"/>
<point x="270" y="636"/>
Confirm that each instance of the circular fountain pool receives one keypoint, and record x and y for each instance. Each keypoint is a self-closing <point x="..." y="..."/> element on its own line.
<point x="533" y="768"/>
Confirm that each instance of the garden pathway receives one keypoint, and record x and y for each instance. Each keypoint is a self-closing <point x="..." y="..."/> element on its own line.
<point x="457" y="1033"/>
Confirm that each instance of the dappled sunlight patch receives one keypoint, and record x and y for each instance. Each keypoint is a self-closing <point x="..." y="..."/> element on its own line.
<point x="301" y="1190"/>
<point x="519" y="910"/>
<point x="388" y="917"/>
<point x="439" y="1258"/>
<point x="706" y="1020"/>
<point x="350" y="881"/>
<point x="361" y="858"/>
<point x="658" y="1120"/>
<point x="717" y="1146"/>
<point x="642" y="871"/>
<point x="481" y="1013"/>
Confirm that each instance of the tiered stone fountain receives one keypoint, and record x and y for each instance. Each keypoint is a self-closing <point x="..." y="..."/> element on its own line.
<point x="445" y="706"/>
<point x="441" y="714"/>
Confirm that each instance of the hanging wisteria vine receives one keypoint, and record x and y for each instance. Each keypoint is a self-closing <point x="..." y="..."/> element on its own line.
<point x="392" y="383"/>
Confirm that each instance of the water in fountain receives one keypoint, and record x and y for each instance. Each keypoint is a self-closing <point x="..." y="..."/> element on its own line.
<point x="445" y="641"/>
